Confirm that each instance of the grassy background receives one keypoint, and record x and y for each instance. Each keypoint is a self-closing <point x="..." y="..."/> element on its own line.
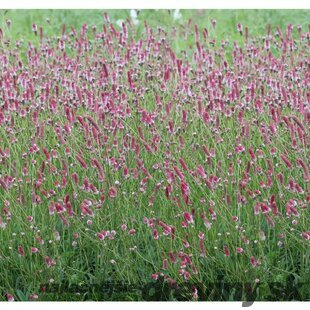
<point x="226" y="28"/>
<point x="227" y="20"/>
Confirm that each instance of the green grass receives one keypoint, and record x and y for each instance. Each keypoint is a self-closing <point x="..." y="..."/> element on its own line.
<point x="227" y="20"/>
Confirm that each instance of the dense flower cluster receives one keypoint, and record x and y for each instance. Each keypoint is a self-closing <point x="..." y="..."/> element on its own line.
<point x="119" y="150"/>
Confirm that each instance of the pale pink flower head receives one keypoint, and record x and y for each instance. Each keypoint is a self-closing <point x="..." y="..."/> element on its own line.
<point x="100" y="236"/>
<point x="239" y="250"/>
<point x="9" y="297"/>
<point x="33" y="297"/>
<point x="132" y="231"/>
<point x="8" y="23"/>
<point x="306" y="235"/>
<point x="201" y="235"/>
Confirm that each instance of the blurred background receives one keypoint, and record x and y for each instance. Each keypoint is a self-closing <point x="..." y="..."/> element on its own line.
<point x="227" y="20"/>
<point x="225" y="30"/>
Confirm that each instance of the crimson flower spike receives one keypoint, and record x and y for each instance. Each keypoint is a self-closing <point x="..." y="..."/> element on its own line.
<point x="35" y="29"/>
<point x="246" y="34"/>
<point x="240" y="28"/>
<point x="287" y="162"/>
<point x="226" y="251"/>
<point x="81" y="161"/>
<point x="41" y="35"/>
<point x="21" y="251"/>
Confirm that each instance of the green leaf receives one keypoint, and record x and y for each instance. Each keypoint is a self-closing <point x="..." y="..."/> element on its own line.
<point x="22" y="296"/>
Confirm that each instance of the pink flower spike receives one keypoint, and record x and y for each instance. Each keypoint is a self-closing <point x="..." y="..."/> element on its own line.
<point x="155" y="234"/>
<point x="287" y="162"/>
<point x="253" y="261"/>
<point x="188" y="217"/>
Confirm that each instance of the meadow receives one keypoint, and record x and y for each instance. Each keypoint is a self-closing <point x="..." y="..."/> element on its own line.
<point x="154" y="155"/>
